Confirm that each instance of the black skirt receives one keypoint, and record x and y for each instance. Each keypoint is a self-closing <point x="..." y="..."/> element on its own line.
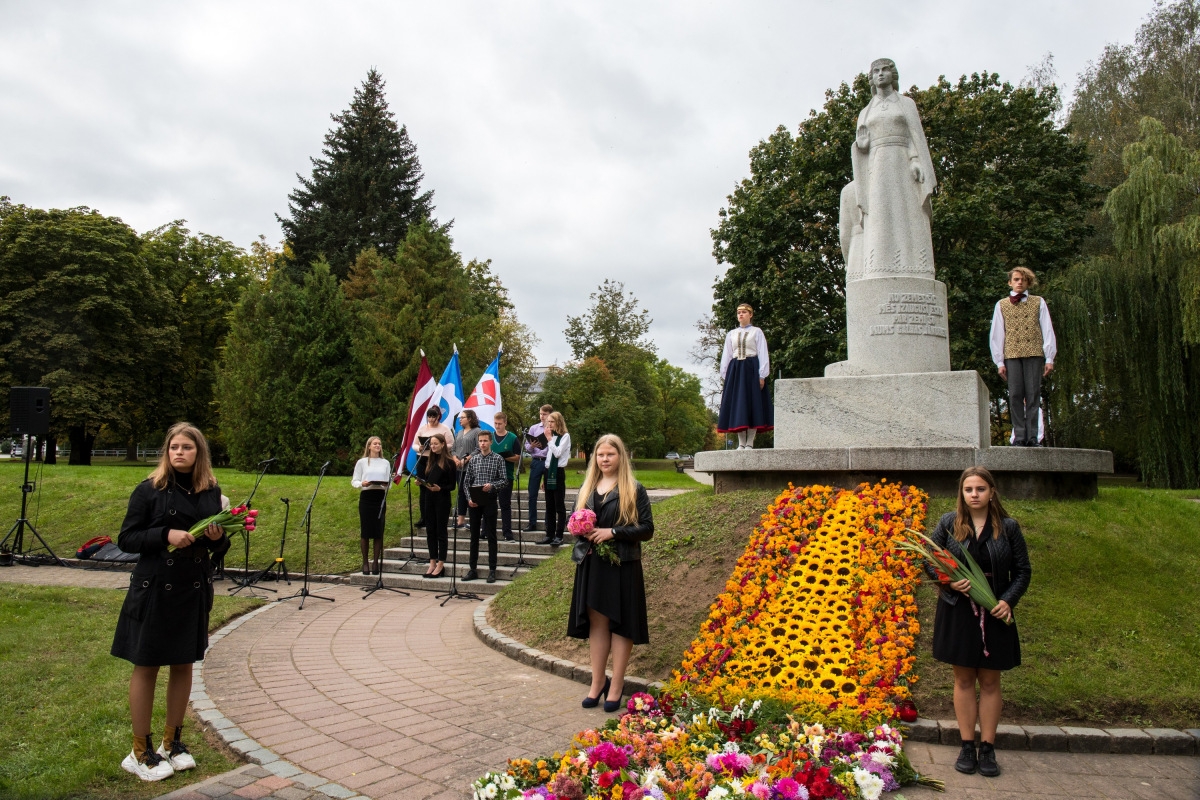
<point x="957" y="637"/>
<point x="743" y="403"/>
<point x="617" y="592"/>
<point x="370" y="521"/>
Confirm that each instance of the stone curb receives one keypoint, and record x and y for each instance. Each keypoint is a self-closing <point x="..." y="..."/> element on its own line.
<point x="1067" y="739"/>
<point x="1046" y="738"/>
<point x="239" y="741"/>
<point x="544" y="661"/>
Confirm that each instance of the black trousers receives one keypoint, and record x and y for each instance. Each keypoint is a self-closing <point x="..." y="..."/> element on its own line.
<point x="436" y="511"/>
<point x="556" y="509"/>
<point x="1024" y="397"/>
<point x="504" y="499"/>
<point x="483" y="523"/>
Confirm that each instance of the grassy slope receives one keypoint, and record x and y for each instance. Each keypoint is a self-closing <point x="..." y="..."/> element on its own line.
<point x="77" y="503"/>
<point x="64" y="714"/>
<point x="1107" y="627"/>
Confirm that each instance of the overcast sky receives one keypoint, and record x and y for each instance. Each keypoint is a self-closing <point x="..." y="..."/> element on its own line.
<point x="569" y="142"/>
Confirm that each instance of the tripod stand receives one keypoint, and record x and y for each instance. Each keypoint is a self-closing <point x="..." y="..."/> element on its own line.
<point x="304" y="593"/>
<point x="370" y="590"/>
<point x="521" y="562"/>
<point x="247" y="580"/>
<point x="454" y="592"/>
<point x="279" y="563"/>
<point x="23" y="522"/>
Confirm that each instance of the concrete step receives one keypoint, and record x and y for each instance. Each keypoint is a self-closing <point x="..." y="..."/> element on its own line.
<point x="392" y="564"/>
<point x="419" y="545"/>
<point x="411" y="582"/>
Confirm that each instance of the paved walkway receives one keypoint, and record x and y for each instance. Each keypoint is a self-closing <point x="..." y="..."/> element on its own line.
<point x="394" y="697"/>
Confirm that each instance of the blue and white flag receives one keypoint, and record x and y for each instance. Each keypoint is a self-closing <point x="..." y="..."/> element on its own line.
<point x="485" y="400"/>
<point x="450" y="393"/>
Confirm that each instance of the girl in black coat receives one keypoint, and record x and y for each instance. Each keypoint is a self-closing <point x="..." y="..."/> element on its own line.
<point x="164" y="619"/>
<point x="438" y="475"/>
<point x="979" y="645"/>
<point x="608" y="602"/>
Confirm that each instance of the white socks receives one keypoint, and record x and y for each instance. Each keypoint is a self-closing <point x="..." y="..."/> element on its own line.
<point x="746" y="439"/>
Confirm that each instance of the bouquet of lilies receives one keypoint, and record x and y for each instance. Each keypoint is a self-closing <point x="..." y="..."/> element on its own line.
<point x="583" y="522"/>
<point x="240" y="518"/>
<point x="950" y="569"/>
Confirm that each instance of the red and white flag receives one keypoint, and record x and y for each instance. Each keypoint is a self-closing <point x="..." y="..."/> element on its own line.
<point x="423" y="393"/>
<point x="485" y="400"/>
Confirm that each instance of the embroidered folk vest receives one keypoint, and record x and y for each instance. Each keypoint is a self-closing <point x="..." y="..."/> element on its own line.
<point x="1022" y="328"/>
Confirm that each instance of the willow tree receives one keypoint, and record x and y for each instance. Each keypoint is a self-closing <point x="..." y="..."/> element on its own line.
<point x="1131" y="317"/>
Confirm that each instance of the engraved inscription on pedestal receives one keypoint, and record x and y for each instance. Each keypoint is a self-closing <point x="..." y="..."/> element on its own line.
<point x="910" y="313"/>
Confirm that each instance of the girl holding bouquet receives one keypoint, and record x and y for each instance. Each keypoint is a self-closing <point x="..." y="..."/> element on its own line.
<point x="978" y="643"/>
<point x="608" y="602"/>
<point x="164" y="619"/>
<point x="371" y="474"/>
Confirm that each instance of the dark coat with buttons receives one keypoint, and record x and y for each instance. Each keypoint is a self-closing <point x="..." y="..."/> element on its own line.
<point x="1011" y="569"/>
<point x="164" y="619"/>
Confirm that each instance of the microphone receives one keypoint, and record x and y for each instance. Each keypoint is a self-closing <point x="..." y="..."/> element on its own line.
<point x="268" y="461"/>
<point x="284" y="500"/>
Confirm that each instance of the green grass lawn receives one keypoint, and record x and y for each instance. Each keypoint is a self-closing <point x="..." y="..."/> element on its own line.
<point x="1108" y="627"/>
<point x="73" y="504"/>
<point x="64" y="711"/>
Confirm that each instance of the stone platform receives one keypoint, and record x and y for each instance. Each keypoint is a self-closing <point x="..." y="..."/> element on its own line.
<point x="1021" y="472"/>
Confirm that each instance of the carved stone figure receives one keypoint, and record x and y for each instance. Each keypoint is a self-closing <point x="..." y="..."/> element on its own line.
<point x="893" y="176"/>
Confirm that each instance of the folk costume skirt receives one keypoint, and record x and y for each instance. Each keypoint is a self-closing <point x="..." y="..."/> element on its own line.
<point x="370" y="521"/>
<point x="743" y="404"/>
<point x="617" y="592"/>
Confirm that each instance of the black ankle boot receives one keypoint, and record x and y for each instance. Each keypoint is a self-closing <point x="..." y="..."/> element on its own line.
<point x="967" y="762"/>
<point x="988" y="767"/>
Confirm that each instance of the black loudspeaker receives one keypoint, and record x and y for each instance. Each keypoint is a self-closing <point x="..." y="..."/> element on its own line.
<point x="29" y="411"/>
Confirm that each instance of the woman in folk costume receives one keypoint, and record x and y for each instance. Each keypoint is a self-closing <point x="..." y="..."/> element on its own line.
<point x="745" y="402"/>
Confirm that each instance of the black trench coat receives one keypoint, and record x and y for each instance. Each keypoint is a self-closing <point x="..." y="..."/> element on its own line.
<point x="164" y="619"/>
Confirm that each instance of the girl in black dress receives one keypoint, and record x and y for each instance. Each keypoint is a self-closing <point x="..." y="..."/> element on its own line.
<point x="164" y="619"/>
<point x="438" y="474"/>
<point x="979" y="644"/>
<point x="608" y="602"/>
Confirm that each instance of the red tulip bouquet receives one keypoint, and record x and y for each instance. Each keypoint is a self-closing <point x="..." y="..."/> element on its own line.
<point x="232" y="520"/>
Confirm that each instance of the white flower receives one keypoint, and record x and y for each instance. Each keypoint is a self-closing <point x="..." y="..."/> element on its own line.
<point x="754" y="708"/>
<point x="881" y="758"/>
<point x="652" y="777"/>
<point x="717" y="792"/>
<point x="814" y="744"/>
<point x="730" y="747"/>
<point x="488" y="792"/>
<point x="870" y="785"/>
<point x="507" y="782"/>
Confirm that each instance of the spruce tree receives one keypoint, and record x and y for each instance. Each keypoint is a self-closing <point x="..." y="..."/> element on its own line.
<point x="364" y="191"/>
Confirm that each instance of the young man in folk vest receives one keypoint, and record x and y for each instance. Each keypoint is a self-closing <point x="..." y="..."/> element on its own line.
<point x="1023" y="348"/>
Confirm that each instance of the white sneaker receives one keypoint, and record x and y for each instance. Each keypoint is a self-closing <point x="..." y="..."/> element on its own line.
<point x="154" y="768"/>
<point x="179" y="758"/>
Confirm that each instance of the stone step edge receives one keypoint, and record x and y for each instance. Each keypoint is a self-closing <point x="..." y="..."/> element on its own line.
<point x="1047" y="738"/>
<point x="239" y="741"/>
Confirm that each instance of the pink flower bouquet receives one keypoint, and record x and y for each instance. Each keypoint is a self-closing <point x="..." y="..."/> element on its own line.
<point x="582" y="522"/>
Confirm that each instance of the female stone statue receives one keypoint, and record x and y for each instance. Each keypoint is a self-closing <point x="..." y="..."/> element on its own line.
<point x="893" y="176"/>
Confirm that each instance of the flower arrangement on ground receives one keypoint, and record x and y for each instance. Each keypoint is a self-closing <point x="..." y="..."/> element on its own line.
<point x="696" y="750"/>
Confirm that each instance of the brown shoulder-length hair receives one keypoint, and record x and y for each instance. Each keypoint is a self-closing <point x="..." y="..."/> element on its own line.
<point x="626" y="485"/>
<point x="202" y="474"/>
<point x="442" y="459"/>
<point x="962" y="521"/>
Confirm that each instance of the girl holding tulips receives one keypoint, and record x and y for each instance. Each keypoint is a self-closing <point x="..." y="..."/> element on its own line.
<point x="980" y="644"/>
<point x="371" y="474"/>
<point x="164" y="619"/>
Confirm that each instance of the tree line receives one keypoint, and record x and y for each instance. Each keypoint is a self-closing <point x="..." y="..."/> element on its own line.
<point x="298" y="353"/>
<point x="1100" y="201"/>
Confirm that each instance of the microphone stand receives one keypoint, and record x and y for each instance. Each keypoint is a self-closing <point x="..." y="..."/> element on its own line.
<point x="247" y="580"/>
<point x="370" y="590"/>
<point x="280" y="564"/>
<point x="304" y="593"/>
<point x="521" y="562"/>
<point x="454" y="593"/>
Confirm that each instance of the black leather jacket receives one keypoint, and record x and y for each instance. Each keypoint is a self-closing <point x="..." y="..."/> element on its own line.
<point x="628" y="538"/>
<point x="1011" y="569"/>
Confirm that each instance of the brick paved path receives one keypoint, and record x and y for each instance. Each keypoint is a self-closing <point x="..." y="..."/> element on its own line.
<point x="392" y="696"/>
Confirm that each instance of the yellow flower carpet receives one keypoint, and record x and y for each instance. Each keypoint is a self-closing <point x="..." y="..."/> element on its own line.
<point x="819" y="612"/>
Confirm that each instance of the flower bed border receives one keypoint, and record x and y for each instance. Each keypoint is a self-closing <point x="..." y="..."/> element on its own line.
<point x="1042" y="738"/>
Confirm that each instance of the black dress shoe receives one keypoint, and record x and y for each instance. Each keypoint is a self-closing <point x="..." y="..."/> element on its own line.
<point x="491" y="578"/>
<point x="967" y="762"/>
<point x="556" y="543"/>
<point x="612" y="705"/>
<point x="547" y="540"/>
<point x="534" y="527"/>
<point x="471" y="575"/>
<point x="988" y="767"/>
<point x="509" y="539"/>
<point x="592" y="702"/>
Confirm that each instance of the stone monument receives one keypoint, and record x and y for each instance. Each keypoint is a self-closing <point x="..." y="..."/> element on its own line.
<point x="893" y="406"/>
